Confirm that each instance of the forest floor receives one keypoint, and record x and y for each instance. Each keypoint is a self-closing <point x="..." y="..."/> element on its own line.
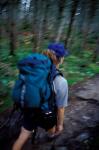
<point x="81" y="123"/>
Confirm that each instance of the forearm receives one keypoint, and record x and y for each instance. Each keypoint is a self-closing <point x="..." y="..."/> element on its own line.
<point x="60" y="116"/>
<point x="60" y="120"/>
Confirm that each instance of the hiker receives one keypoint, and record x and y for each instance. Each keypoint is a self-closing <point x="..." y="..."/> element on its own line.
<point x="54" y="127"/>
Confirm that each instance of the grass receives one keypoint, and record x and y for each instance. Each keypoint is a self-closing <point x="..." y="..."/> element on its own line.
<point x="76" y="69"/>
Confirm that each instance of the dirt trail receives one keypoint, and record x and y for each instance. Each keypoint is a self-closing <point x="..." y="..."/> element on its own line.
<point x="81" y="124"/>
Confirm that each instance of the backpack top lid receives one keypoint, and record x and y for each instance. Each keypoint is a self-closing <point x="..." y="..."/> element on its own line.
<point x="35" y="62"/>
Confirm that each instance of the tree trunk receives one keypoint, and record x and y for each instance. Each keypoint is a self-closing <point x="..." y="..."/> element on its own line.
<point x="40" y="21"/>
<point x="81" y="15"/>
<point x="12" y="27"/>
<point x="60" y="20"/>
<point x="12" y="39"/>
<point x="96" y="51"/>
<point x="43" y="23"/>
<point x="45" y="19"/>
<point x="0" y="28"/>
<point x="35" y="26"/>
<point x="90" y="13"/>
<point x="61" y="27"/>
<point x="73" y="11"/>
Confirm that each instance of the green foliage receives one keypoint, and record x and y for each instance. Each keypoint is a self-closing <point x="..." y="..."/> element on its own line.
<point x="6" y="105"/>
<point x="76" y="47"/>
<point x="25" y="25"/>
<point x="94" y="68"/>
<point x="92" y="37"/>
<point x="75" y="68"/>
<point x="9" y="72"/>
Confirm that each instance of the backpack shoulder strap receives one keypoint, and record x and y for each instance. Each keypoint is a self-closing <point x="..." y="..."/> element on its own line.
<point x="52" y="75"/>
<point x="55" y="72"/>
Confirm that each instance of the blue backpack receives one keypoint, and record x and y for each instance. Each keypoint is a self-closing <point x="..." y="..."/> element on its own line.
<point x="34" y="87"/>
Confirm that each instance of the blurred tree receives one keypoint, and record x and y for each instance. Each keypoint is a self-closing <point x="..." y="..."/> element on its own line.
<point x="39" y="22"/>
<point x="10" y="8"/>
<point x="81" y="15"/>
<point x="90" y="11"/>
<point x="0" y="27"/>
<point x="3" y="4"/>
<point x="42" y="21"/>
<point x="48" y="19"/>
<point x="72" y="17"/>
<point x="34" y="9"/>
<point x="44" y="27"/>
<point x="0" y="23"/>
<point x="61" y="19"/>
<point x="96" y="51"/>
<point x="61" y="6"/>
<point x="11" y="12"/>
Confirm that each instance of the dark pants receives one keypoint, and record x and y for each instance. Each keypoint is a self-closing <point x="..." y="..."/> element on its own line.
<point x="36" y="118"/>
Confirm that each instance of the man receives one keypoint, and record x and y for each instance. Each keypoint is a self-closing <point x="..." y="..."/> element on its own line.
<point x="55" y="53"/>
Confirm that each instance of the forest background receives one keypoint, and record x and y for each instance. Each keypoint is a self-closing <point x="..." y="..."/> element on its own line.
<point x="28" y="26"/>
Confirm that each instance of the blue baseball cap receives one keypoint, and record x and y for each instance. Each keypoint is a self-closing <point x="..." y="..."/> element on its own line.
<point x="59" y="49"/>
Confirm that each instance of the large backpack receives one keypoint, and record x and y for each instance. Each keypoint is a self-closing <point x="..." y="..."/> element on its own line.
<point x="34" y="87"/>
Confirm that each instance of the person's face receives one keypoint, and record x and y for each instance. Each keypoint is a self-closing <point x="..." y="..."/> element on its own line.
<point x="62" y="59"/>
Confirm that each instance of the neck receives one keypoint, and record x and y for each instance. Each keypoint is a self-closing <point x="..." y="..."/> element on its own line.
<point x="57" y="66"/>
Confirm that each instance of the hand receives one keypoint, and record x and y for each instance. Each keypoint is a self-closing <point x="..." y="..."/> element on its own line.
<point x="59" y="129"/>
